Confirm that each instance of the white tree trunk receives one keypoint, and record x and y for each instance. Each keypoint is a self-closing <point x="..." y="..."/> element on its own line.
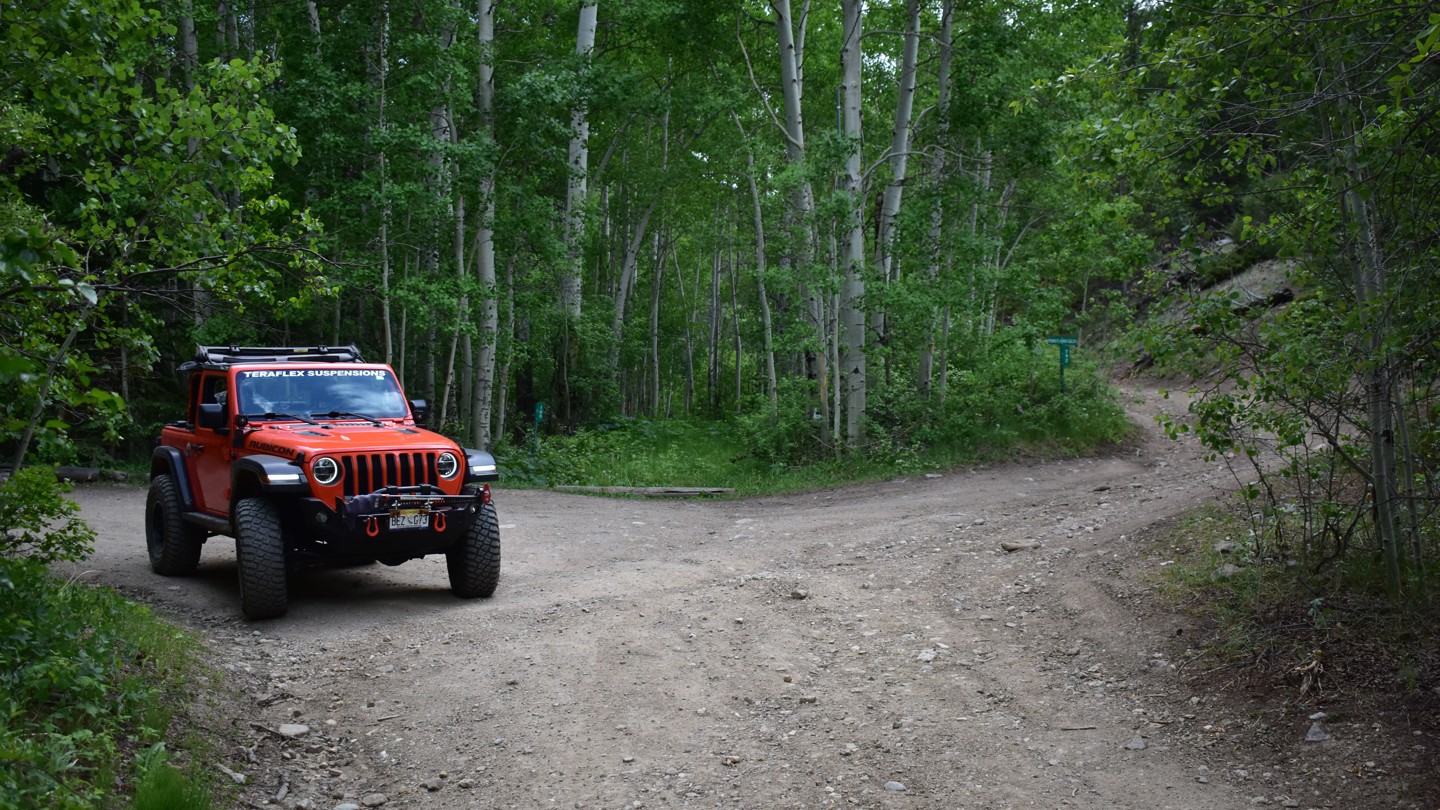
<point x="766" y="323"/>
<point x="629" y="264"/>
<point x="689" y="335"/>
<point x="314" y="13"/>
<point x="629" y="267"/>
<point x="189" y="52"/>
<point x="462" y="311"/>
<point x="1368" y="271"/>
<point x="976" y="312"/>
<point x="484" y="388"/>
<point x="713" y="375"/>
<point x="577" y="189"/>
<point x="386" y="270"/>
<point x="442" y="130"/>
<point x="853" y="316"/>
<point x="503" y="386"/>
<point x="790" y="33"/>
<point x="735" y="323"/>
<point x="656" y="284"/>
<point x="899" y="157"/>
<point x="189" y="65"/>
<point x="937" y="208"/>
<point x="227" y="31"/>
<point x="944" y="381"/>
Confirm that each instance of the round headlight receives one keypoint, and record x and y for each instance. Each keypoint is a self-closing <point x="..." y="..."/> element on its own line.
<point x="326" y="471"/>
<point x="447" y="465"/>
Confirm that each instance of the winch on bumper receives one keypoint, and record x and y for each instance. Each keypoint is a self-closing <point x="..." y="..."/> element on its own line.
<point x="393" y="521"/>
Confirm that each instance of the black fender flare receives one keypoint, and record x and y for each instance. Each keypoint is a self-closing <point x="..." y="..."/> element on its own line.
<point x="480" y="467"/>
<point x="271" y="474"/>
<point x="165" y="460"/>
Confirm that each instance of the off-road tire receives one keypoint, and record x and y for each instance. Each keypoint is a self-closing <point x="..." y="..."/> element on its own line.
<point x="174" y="545"/>
<point x="474" y="562"/>
<point x="260" y="556"/>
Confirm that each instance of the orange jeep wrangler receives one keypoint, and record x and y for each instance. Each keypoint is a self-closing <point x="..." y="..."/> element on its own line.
<point x="310" y="456"/>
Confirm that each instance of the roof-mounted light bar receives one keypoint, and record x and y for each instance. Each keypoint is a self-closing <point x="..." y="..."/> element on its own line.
<point x="225" y="356"/>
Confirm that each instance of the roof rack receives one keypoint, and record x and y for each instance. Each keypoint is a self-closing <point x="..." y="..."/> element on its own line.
<point x="219" y="357"/>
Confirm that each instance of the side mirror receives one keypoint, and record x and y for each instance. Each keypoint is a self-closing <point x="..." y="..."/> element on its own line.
<point x="420" y="409"/>
<point x="212" y="415"/>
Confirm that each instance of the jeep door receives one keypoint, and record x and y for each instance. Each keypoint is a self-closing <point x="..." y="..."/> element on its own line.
<point x="209" y="455"/>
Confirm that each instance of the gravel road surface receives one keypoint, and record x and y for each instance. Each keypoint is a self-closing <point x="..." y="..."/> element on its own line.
<point x="872" y="646"/>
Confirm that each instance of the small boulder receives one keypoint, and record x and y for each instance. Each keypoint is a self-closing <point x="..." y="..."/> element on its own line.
<point x="1225" y="572"/>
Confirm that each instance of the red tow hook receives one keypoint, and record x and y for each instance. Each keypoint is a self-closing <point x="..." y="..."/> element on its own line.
<point x="372" y="526"/>
<point x="439" y="524"/>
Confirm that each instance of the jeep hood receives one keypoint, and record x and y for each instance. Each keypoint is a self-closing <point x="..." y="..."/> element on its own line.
<point x="289" y="438"/>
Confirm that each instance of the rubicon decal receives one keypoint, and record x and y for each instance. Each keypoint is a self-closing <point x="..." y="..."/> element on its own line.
<point x="267" y="447"/>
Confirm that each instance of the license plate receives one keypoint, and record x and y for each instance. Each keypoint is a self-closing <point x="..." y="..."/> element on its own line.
<point x="409" y="519"/>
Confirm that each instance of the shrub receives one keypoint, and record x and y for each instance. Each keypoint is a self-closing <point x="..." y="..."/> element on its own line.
<point x="788" y="437"/>
<point x="83" y="674"/>
<point x="626" y="452"/>
<point x="38" y="521"/>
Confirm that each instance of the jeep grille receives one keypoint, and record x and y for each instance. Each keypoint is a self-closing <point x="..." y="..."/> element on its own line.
<point x="367" y="472"/>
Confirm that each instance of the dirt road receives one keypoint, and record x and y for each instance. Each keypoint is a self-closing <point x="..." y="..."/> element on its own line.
<point x="873" y="646"/>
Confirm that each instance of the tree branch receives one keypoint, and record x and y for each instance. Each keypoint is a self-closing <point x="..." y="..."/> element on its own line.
<point x="754" y="82"/>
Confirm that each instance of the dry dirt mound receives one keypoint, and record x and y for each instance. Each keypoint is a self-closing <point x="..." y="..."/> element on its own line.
<point x="871" y="646"/>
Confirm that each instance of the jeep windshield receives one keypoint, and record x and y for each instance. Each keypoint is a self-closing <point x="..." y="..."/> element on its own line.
<point x="368" y="393"/>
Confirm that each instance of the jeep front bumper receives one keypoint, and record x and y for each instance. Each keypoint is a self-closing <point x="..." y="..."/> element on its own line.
<point x="395" y="521"/>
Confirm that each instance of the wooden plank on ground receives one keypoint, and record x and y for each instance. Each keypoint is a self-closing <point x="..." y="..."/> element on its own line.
<point x="84" y="475"/>
<point x="651" y="492"/>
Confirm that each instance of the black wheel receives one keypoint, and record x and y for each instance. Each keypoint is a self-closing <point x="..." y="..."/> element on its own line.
<point x="174" y="545"/>
<point x="474" y="562"/>
<point x="260" y="555"/>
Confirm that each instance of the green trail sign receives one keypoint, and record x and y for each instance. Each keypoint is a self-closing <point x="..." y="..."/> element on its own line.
<point x="1064" y="343"/>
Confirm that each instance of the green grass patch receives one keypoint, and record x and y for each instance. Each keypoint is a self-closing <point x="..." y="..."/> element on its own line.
<point x="670" y="453"/>
<point x="89" y="682"/>
<point x="162" y="786"/>
<point x="660" y="453"/>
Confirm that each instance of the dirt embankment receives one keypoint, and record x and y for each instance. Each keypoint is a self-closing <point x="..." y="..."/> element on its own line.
<point x="873" y="646"/>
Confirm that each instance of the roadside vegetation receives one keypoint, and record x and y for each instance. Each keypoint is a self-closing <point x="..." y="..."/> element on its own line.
<point x="1299" y="137"/>
<point x="94" y="689"/>
<point x="1018" y="410"/>
<point x="698" y="276"/>
<point x="1310" y="634"/>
